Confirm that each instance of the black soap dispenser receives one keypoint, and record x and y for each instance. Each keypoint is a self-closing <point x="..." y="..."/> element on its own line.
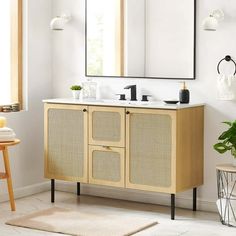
<point x="184" y="94"/>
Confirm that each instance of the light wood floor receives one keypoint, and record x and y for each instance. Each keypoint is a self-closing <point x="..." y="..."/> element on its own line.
<point x="187" y="223"/>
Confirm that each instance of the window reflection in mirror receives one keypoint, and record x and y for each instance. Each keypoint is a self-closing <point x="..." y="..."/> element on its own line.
<point x="104" y="37"/>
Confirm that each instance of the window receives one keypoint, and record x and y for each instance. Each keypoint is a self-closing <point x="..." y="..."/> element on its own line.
<point x="11" y="52"/>
<point x="105" y="37"/>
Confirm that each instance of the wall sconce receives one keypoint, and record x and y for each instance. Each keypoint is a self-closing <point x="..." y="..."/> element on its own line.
<point x="59" y="22"/>
<point x="211" y="22"/>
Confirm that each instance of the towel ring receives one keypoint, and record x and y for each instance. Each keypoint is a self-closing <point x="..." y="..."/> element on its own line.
<point x="227" y="58"/>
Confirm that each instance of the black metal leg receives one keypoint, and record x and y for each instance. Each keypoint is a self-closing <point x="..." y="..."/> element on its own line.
<point x="194" y="199"/>
<point x="78" y="189"/>
<point x="52" y="190"/>
<point x="172" y="206"/>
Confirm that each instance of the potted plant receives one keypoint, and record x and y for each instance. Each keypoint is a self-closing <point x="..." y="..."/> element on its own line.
<point x="76" y="91"/>
<point x="227" y="140"/>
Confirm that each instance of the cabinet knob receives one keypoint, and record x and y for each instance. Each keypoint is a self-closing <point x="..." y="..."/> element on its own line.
<point x="127" y="112"/>
<point x="84" y="110"/>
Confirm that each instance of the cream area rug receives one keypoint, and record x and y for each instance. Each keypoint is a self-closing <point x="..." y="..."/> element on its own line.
<point x="80" y="223"/>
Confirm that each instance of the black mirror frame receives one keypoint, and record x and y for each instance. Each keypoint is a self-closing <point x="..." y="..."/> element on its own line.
<point x="136" y="77"/>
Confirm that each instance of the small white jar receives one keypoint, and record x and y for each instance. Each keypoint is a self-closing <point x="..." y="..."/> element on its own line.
<point x="76" y="94"/>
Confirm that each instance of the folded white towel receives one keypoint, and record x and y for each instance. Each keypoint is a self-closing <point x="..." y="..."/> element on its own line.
<point x="8" y="138"/>
<point x="5" y="129"/>
<point x="7" y="134"/>
<point x="226" y="85"/>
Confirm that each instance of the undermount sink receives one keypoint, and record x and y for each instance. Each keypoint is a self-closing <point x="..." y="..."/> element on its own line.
<point x="118" y="102"/>
<point x="125" y="102"/>
<point x="132" y="102"/>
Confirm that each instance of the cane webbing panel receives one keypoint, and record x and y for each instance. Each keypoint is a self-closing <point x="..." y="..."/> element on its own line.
<point x="106" y="166"/>
<point x="106" y="126"/>
<point x="150" y="150"/>
<point x="65" y="142"/>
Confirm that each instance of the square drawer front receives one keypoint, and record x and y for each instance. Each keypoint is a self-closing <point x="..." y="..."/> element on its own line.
<point x="106" y="165"/>
<point x="107" y="126"/>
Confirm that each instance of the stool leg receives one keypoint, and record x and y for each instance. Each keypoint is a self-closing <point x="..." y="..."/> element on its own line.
<point x="9" y="181"/>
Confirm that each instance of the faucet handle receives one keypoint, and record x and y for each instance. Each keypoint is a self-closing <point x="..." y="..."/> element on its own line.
<point x="122" y="97"/>
<point x="145" y="98"/>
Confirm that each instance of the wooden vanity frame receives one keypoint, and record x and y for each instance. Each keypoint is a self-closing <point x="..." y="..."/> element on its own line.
<point x="187" y="126"/>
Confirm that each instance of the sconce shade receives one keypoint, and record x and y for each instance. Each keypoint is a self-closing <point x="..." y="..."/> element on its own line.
<point x="59" y="22"/>
<point x="211" y="22"/>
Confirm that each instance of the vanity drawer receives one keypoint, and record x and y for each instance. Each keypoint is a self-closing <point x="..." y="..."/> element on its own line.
<point x="106" y="165"/>
<point x="107" y="126"/>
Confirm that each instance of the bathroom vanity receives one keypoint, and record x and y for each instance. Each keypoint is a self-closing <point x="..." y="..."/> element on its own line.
<point x="150" y="147"/>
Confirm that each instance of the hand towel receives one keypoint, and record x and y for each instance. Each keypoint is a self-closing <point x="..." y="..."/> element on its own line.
<point x="226" y="86"/>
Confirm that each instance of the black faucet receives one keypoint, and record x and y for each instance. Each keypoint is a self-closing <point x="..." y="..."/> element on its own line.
<point x="133" y="92"/>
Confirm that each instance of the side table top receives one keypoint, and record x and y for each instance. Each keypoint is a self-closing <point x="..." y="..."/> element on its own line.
<point x="226" y="167"/>
<point x="3" y="144"/>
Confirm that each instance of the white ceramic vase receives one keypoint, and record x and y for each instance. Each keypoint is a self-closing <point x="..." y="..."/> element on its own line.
<point x="76" y="94"/>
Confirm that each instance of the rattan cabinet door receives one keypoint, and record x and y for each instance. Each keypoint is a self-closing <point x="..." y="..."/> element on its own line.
<point x="66" y="142"/>
<point x="107" y="126"/>
<point x="106" y="166"/>
<point x="150" y="149"/>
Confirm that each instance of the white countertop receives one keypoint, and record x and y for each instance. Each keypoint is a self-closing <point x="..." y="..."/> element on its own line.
<point x="117" y="103"/>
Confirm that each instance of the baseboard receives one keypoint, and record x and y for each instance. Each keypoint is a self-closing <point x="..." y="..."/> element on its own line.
<point x="137" y="196"/>
<point x="26" y="191"/>
<point x="116" y="193"/>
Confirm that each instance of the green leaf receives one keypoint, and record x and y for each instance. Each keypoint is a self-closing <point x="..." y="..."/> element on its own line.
<point x="232" y="140"/>
<point x="233" y="152"/>
<point x="226" y="134"/>
<point x="227" y="123"/>
<point x="221" y="148"/>
<point x="75" y="87"/>
<point x="228" y="139"/>
<point x="234" y="126"/>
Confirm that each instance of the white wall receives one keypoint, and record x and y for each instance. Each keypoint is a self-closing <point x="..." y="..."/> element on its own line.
<point x="68" y="61"/>
<point x="68" y="48"/>
<point x="27" y="157"/>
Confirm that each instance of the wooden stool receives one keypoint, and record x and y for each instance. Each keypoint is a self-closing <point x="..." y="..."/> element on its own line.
<point x="7" y="174"/>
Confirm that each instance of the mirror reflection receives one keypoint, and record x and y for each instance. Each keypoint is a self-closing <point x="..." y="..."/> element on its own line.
<point x="140" y="38"/>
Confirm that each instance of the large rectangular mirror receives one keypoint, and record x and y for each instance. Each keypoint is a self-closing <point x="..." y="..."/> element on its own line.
<point x="141" y="38"/>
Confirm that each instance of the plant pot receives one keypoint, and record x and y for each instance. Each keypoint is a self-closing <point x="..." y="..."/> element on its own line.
<point x="76" y="94"/>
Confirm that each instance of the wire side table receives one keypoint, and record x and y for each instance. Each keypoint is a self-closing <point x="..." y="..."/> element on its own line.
<point x="226" y="189"/>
